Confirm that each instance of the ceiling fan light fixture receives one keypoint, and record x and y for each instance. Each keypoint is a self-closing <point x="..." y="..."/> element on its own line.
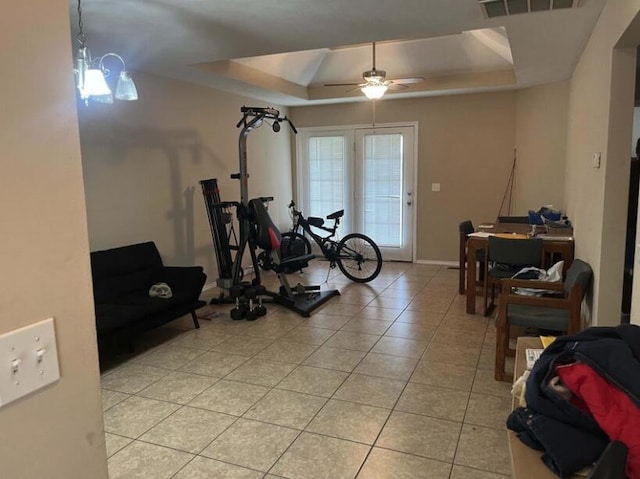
<point x="373" y="91"/>
<point x="375" y="84"/>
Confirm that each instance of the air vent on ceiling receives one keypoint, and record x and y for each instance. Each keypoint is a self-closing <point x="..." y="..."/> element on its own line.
<point x="500" y="8"/>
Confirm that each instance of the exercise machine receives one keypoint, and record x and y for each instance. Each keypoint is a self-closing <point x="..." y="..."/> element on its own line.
<point x="255" y="230"/>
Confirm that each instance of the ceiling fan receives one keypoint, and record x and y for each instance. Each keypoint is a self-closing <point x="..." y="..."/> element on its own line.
<point x="375" y="84"/>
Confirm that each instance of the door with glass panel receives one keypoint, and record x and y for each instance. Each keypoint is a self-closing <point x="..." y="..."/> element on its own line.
<point x="383" y="196"/>
<point x="369" y="174"/>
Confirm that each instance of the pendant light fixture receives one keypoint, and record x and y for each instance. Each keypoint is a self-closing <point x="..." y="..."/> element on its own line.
<point x="91" y="73"/>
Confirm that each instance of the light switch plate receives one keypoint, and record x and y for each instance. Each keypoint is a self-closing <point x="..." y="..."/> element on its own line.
<point x="435" y="186"/>
<point x="28" y="360"/>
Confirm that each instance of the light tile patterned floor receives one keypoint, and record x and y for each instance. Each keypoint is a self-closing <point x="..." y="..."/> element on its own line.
<point x="390" y="380"/>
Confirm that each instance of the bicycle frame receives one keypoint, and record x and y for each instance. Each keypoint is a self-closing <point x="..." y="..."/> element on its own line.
<point x="357" y="255"/>
<point x="327" y="244"/>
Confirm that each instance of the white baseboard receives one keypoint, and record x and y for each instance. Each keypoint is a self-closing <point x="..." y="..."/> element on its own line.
<point x="437" y="262"/>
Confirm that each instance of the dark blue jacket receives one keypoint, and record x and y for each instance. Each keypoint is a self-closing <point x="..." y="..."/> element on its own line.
<point x="570" y="438"/>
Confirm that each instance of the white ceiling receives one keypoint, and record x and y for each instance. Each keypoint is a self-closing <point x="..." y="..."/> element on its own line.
<point x="283" y="51"/>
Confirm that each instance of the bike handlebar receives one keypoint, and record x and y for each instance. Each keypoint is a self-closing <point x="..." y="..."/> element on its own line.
<point x="292" y="207"/>
<point x="261" y="113"/>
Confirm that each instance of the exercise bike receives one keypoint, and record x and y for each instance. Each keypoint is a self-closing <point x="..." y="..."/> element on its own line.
<point x="356" y="255"/>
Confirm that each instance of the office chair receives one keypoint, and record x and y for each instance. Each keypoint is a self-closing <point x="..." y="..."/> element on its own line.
<point x="508" y="256"/>
<point x="556" y="313"/>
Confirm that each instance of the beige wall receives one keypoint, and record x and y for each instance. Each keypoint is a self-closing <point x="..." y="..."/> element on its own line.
<point x="600" y="120"/>
<point x="143" y="162"/>
<point x="55" y="433"/>
<point x="466" y="143"/>
<point x="541" y="136"/>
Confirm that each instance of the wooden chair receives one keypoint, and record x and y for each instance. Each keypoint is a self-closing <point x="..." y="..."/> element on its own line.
<point x="556" y="313"/>
<point x="508" y="256"/>
<point x="465" y="229"/>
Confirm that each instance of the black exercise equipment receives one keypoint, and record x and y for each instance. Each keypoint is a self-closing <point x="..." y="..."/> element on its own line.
<point x="222" y="231"/>
<point x="301" y="299"/>
<point x="255" y="230"/>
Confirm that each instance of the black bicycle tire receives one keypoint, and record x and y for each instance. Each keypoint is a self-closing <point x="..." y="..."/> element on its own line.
<point x="294" y="236"/>
<point x="342" y="260"/>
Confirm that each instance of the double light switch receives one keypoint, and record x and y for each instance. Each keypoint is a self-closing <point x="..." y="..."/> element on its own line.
<point x="28" y="360"/>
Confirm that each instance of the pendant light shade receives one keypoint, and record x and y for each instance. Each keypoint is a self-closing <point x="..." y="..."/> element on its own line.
<point x="103" y="98"/>
<point x="125" y="88"/>
<point x="95" y="83"/>
<point x="373" y="91"/>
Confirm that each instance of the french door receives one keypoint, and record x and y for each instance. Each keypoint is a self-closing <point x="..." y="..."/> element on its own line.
<point x="384" y="189"/>
<point x="368" y="173"/>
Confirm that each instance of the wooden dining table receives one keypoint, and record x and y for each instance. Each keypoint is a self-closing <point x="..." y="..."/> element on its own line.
<point x="554" y="245"/>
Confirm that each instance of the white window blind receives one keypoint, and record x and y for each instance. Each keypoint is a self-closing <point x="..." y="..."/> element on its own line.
<point x="326" y="175"/>
<point x="383" y="189"/>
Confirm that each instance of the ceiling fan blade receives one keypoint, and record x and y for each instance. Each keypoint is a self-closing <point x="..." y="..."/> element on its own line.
<point x="396" y="86"/>
<point x="341" y="84"/>
<point x="408" y="81"/>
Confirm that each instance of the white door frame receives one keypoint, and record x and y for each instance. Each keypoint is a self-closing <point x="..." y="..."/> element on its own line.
<point x="349" y="132"/>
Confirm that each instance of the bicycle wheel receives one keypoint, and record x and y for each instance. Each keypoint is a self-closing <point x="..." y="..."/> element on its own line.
<point x="359" y="258"/>
<point x="294" y="244"/>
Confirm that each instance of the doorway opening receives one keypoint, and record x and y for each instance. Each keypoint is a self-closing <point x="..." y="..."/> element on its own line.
<point x="632" y="206"/>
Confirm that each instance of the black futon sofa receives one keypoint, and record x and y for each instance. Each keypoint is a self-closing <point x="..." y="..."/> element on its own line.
<point x="121" y="281"/>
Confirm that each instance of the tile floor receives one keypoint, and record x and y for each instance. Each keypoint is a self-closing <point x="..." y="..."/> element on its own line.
<point x="390" y="380"/>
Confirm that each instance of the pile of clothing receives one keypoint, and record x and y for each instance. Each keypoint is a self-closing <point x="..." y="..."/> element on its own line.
<point x="581" y="394"/>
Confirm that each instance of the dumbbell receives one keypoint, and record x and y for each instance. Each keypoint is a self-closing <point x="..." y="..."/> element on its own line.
<point x="251" y="294"/>
<point x="260" y="309"/>
<point x="240" y="311"/>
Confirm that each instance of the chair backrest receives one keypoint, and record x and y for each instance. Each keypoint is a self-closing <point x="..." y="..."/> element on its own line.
<point x="267" y="234"/>
<point x="516" y="252"/>
<point x="513" y="219"/>
<point x="466" y="227"/>
<point x="579" y="273"/>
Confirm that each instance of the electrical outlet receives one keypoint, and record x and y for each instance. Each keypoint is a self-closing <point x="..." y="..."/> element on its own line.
<point x="435" y="186"/>
<point x="595" y="159"/>
<point x="28" y="360"/>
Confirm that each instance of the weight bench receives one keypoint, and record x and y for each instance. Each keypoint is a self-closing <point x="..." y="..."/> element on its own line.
<point x="301" y="299"/>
